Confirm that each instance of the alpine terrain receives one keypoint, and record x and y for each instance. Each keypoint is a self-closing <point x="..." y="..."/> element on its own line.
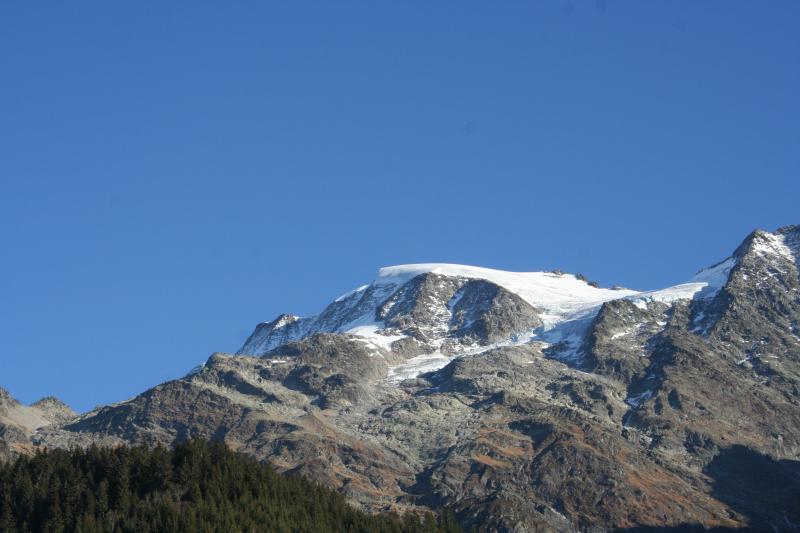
<point x="523" y="401"/>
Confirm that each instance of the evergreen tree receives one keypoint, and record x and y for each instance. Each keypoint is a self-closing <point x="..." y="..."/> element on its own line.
<point x="198" y="486"/>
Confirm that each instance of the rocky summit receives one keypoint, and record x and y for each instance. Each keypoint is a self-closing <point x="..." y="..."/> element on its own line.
<point x="523" y="401"/>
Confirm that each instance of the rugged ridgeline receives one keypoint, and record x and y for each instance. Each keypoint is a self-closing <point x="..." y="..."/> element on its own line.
<point x="526" y="401"/>
<point x="18" y="423"/>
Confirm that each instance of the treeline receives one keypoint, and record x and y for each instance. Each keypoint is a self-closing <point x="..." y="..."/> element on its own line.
<point x="196" y="486"/>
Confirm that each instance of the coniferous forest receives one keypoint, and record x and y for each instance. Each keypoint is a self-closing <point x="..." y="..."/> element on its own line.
<point x="197" y="486"/>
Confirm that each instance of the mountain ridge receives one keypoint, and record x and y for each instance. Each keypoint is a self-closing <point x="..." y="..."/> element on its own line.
<point x="558" y="298"/>
<point x="521" y="409"/>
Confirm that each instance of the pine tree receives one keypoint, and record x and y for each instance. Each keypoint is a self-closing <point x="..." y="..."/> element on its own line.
<point x="195" y="487"/>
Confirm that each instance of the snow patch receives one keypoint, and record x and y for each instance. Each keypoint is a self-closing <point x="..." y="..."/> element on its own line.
<point x="639" y="399"/>
<point x="437" y="360"/>
<point x="418" y="365"/>
<point x="698" y="322"/>
<point x="367" y="328"/>
<point x="623" y="333"/>
<point x="284" y="320"/>
<point x="350" y="293"/>
<point x="770" y="244"/>
<point x="371" y="335"/>
<point x="715" y="277"/>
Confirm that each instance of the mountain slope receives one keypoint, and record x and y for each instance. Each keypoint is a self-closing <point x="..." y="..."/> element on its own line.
<point x="430" y="313"/>
<point x="195" y="487"/>
<point x="526" y="401"/>
<point x="18" y="422"/>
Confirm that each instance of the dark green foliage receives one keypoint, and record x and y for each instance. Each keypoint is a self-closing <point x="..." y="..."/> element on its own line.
<point x="195" y="487"/>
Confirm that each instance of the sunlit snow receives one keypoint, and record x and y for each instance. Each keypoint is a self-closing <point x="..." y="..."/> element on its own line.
<point x="558" y="296"/>
<point x="567" y="306"/>
<point x="418" y="365"/>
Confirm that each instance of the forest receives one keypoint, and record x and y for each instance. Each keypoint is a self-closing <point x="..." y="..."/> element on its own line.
<point x="197" y="486"/>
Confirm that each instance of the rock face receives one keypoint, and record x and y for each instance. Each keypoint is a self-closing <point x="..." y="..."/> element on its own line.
<point x="19" y="424"/>
<point x="527" y="402"/>
<point x="445" y="308"/>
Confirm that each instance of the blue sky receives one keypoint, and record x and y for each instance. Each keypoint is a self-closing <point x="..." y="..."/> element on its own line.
<point x="172" y="173"/>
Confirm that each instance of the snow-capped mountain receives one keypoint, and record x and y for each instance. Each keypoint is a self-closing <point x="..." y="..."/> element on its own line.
<point x="525" y="401"/>
<point x="372" y="311"/>
<point x="428" y="314"/>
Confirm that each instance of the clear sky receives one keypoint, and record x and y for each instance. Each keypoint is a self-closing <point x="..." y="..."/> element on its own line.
<point x="172" y="173"/>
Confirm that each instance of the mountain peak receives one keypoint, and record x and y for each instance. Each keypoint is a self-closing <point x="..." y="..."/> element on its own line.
<point x="417" y="310"/>
<point x="282" y="320"/>
<point x="555" y="293"/>
<point x="438" y="371"/>
<point x="49" y="402"/>
<point x="783" y="243"/>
